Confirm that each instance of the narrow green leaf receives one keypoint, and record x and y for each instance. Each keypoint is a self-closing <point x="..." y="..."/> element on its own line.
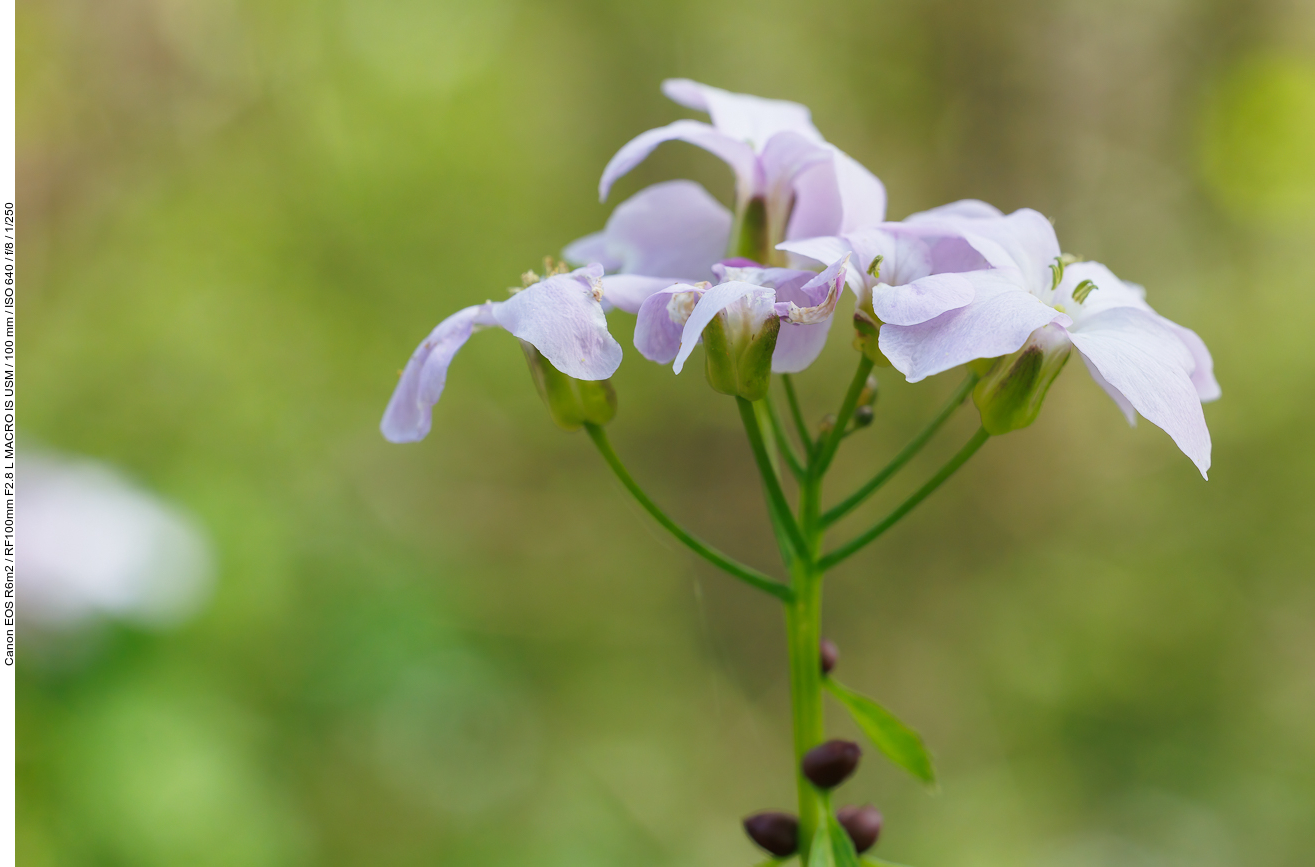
<point x="868" y="861"/>
<point x="820" y="854"/>
<point x="901" y="744"/>
<point x="841" y="846"/>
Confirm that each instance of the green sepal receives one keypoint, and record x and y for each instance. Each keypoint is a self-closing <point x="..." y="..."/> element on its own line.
<point x="820" y="853"/>
<point x="571" y="402"/>
<point x="1009" y="396"/>
<point x="749" y="237"/>
<point x="743" y="367"/>
<point x="842" y="847"/>
<point x="867" y="331"/>
<point x="901" y="744"/>
<point x="869" y="861"/>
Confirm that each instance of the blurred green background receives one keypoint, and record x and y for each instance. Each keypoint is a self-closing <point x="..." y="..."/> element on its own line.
<point x="238" y="218"/>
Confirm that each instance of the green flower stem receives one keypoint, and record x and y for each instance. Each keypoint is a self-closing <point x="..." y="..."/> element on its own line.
<point x="747" y="574"/>
<point x="775" y="496"/>
<point x="906" y="454"/>
<point x="805" y="438"/>
<point x="855" y="544"/>
<point x="787" y="448"/>
<point x="831" y="441"/>
<point x="803" y="624"/>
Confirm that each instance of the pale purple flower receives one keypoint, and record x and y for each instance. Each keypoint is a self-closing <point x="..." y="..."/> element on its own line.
<point x="916" y="259"/>
<point x="809" y="187"/>
<point x="561" y="316"/>
<point x="672" y="232"/>
<point x="671" y="321"/>
<point x="1146" y="363"/>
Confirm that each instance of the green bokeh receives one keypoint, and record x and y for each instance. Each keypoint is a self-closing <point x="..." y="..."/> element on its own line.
<point x="237" y="220"/>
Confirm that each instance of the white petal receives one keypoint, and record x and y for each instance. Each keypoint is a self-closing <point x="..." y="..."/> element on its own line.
<point x="922" y="299"/>
<point x="1143" y="359"/>
<point x="836" y="198"/>
<point x="972" y="209"/>
<point x="740" y="116"/>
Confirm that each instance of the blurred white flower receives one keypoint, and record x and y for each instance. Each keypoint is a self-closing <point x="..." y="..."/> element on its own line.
<point x="92" y="544"/>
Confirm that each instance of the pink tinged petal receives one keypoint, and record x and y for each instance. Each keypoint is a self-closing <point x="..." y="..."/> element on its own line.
<point x="662" y="319"/>
<point x="743" y="117"/>
<point x="923" y="299"/>
<point x="674" y="229"/>
<point x="783" y="158"/>
<point x="1203" y="370"/>
<point x="715" y="300"/>
<point x="836" y="198"/>
<point x="1144" y="361"/>
<point x="997" y="322"/>
<point x="408" y="416"/>
<point x="563" y="319"/>
<point x="628" y="291"/>
<point x="738" y="155"/>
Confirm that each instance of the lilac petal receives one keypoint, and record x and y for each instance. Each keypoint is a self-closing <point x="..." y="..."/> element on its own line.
<point x="674" y="229"/>
<point x="740" y="116"/>
<point x="1143" y="359"/>
<point x="408" y="416"/>
<point x="905" y="256"/>
<point x="738" y="155"/>
<point x="715" y="300"/>
<point x="923" y="299"/>
<point x="798" y="346"/>
<point x="997" y="322"/>
<point x="662" y="319"/>
<point x="597" y="247"/>
<point x="628" y="291"/>
<point x="563" y="319"/>
<point x="1026" y="236"/>
<point x="836" y="198"/>
<point x="783" y="158"/>
<point x="1110" y="291"/>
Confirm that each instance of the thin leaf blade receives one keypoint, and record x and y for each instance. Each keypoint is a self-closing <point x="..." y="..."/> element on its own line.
<point x="901" y="744"/>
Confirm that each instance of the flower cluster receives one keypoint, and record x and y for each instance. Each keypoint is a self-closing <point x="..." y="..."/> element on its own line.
<point x="963" y="284"/>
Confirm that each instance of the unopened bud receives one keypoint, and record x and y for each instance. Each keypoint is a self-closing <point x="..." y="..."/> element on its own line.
<point x="571" y="402"/>
<point x="830" y="655"/>
<point x="830" y="764"/>
<point x="863" y="416"/>
<point x="863" y="824"/>
<point x="778" y="833"/>
<point x="737" y="345"/>
<point x="1010" y="395"/>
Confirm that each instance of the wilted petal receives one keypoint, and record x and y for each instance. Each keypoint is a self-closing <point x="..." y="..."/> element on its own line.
<point x="738" y="155"/>
<point x="997" y="322"/>
<point x="743" y="117"/>
<point x="835" y="198"/>
<point x="804" y="328"/>
<point x="662" y="319"/>
<point x="674" y="229"/>
<point x="562" y="318"/>
<point x="715" y="300"/>
<point x="923" y="299"/>
<point x="1143" y="359"/>
<point x="408" y="416"/>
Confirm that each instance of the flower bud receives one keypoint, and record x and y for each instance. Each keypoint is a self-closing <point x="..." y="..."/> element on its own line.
<point x="830" y="655"/>
<point x="830" y="764"/>
<point x="778" y="833"/>
<point x="571" y="402"/>
<point x="738" y="345"/>
<point x="862" y="824"/>
<point x="1010" y="395"/>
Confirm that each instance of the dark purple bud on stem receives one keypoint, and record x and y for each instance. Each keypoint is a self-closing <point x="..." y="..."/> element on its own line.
<point x="830" y="655"/>
<point x="831" y="763"/>
<point x="777" y="833"/>
<point x="863" y="824"/>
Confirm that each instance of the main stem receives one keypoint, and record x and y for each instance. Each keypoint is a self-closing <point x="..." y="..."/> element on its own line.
<point x="803" y="626"/>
